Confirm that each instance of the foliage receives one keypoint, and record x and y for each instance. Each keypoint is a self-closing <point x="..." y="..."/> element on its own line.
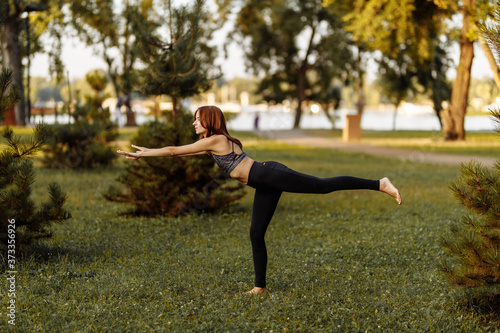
<point x="45" y="19"/>
<point x="9" y="97"/>
<point x="298" y="47"/>
<point x="16" y="180"/>
<point x="173" y="186"/>
<point x="381" y="25"/>
<point x="180" y="65"/>
<point x="110" y="30"/>
<point x="47" y="29"/>
<point x="433" y="76"/>
<point x="409" y="34"/>
<point x="78" y="145"/>
<point x="397" y="79"/>
<point x="474" y="243"/>
<point x="343" y="262"/>
<point x="84" y="142"/>
<point x="491" y="31"/>
<point x="421" y="30"/>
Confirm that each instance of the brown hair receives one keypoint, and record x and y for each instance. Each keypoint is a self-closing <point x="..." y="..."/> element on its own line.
<point x="212" y="118"/>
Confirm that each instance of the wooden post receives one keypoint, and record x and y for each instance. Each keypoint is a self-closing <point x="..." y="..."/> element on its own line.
<point x="352" y="128"/>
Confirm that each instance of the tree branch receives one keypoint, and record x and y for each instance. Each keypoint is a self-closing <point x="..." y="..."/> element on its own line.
<point x="309" y="47"/>
<point x="491" y="59"/>
<point x="36" y="7"/>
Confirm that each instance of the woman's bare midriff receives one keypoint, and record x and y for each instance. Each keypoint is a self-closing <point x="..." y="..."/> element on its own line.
<point x="242" y="170"/>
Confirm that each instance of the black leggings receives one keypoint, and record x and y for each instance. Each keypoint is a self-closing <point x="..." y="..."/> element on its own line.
<point x="270" y="179"/>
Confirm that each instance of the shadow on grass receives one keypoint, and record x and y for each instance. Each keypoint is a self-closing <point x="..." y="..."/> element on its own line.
<point x="44" y="253"/>
<point x="485" y="308"/>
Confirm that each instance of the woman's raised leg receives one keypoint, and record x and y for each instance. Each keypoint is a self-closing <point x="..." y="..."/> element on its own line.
<point x="274" y="175"/>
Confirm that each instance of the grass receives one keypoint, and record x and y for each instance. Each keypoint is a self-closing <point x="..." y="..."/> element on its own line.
<point x="343" y="262"/>
<point x="476" y="144"/>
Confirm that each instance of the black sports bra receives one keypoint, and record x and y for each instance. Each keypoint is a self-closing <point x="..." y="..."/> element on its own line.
<point x="229" y="161"/>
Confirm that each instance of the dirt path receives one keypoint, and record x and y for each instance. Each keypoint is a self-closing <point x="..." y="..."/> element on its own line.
<point x="413" y="155"/>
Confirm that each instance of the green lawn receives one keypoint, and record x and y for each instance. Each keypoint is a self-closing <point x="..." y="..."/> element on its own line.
<point x="343" y="262"/>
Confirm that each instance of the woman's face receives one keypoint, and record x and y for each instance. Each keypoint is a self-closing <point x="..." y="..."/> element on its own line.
<point x="198" y="127"/>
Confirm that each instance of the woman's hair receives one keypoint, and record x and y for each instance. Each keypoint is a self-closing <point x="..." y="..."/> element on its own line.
<point x="212" y="118"/>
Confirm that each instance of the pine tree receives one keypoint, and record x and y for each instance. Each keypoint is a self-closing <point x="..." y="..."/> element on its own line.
<point x="17" y="177"/>
<point x="474" y="242"/>
<point x="181" y="65"/>
<point x="173" y="186"/>
<point x="178" y="67"/>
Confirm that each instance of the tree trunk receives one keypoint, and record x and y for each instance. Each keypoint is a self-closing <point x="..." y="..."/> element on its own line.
<point x="301" y="94"/>
<point x="460" y="91"/>
<point x="130" y="114"/>
<point x="174" y="108"/>
<point x="491" y="59"/>
<point x="301" y="80"/>
<point x="120" y="93"/>
<point x="395" y="116"/>
<point x="361" y="83"/>
<point x="11" y="58"/>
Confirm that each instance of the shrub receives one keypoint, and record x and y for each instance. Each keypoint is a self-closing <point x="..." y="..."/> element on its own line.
<point x="173" y="186"/>
<point x="84" y="143"/>
<point x="474" y="242"/>
<point x="16" y="178"/>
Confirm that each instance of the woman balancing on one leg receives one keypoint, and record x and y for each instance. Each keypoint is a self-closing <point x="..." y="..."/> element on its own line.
<point x="269" y="179"/>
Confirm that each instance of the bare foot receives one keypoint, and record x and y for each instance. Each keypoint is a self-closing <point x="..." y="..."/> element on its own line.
<point x="387" y="187"/>
<point x="256" y="291"/>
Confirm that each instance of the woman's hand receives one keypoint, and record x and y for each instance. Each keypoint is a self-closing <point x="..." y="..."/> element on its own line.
<point x="133" y="156"/>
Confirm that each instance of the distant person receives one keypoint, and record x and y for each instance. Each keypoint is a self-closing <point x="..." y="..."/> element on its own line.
<point x="118" y="113"/>
<point x="269" y="178"/>
<point x="256" y="122"/>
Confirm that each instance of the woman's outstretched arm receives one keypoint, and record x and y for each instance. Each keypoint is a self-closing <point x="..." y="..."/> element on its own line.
<point x="202" y="146"/>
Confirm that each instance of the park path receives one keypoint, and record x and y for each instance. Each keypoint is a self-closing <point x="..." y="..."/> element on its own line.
<point x="410" y="155"/>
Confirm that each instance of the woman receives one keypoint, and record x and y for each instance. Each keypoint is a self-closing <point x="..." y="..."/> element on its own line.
<point x="269" y="179"/>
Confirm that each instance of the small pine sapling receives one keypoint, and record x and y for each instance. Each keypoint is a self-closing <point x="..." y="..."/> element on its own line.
<point x="474" y="242"/>
<point x="83" y="143"/>
<point x="173" y="186"/>
<point x="17" y="177"/>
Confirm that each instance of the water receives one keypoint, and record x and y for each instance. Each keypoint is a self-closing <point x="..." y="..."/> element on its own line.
<point x="371" y="120"/>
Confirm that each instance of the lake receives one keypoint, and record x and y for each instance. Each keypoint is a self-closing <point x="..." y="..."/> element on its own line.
<point x="371" y="120"/>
